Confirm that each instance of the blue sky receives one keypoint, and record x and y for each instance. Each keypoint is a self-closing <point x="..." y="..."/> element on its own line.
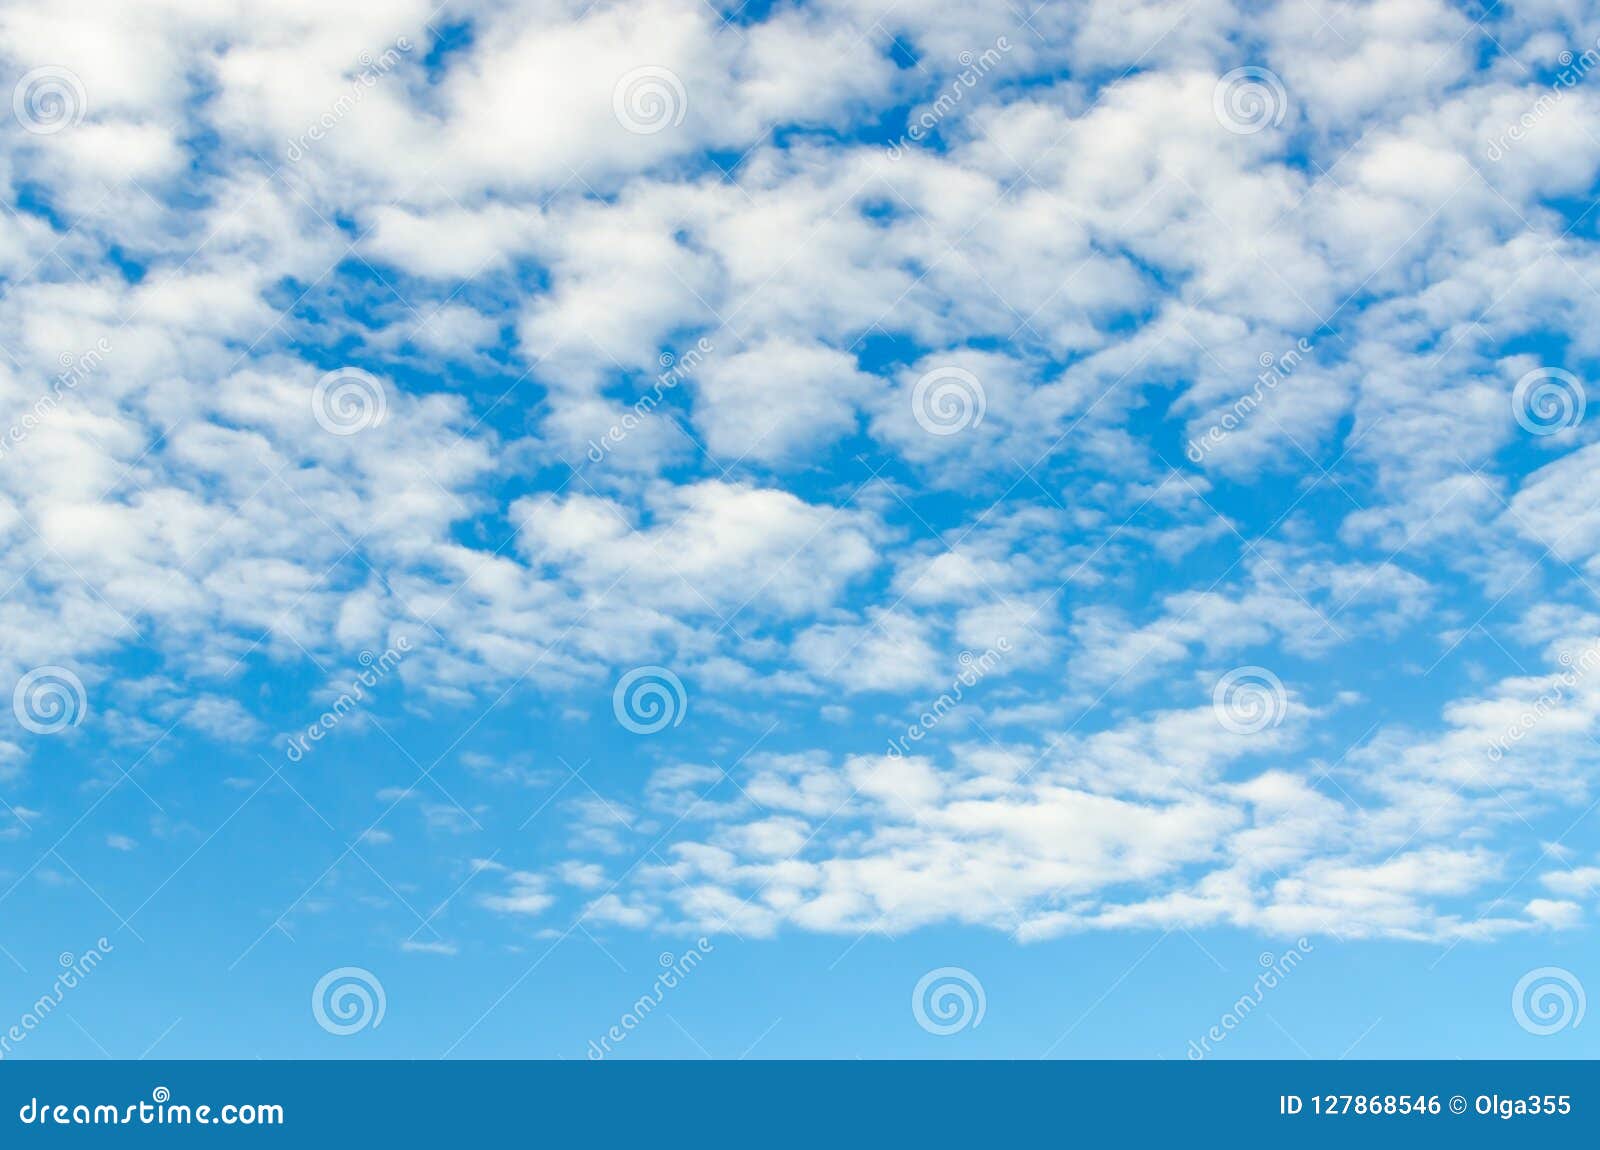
<point x="938" y="529"/>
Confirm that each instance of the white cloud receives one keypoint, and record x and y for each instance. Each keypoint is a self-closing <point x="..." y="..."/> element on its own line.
<point x="526" y="894"/>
